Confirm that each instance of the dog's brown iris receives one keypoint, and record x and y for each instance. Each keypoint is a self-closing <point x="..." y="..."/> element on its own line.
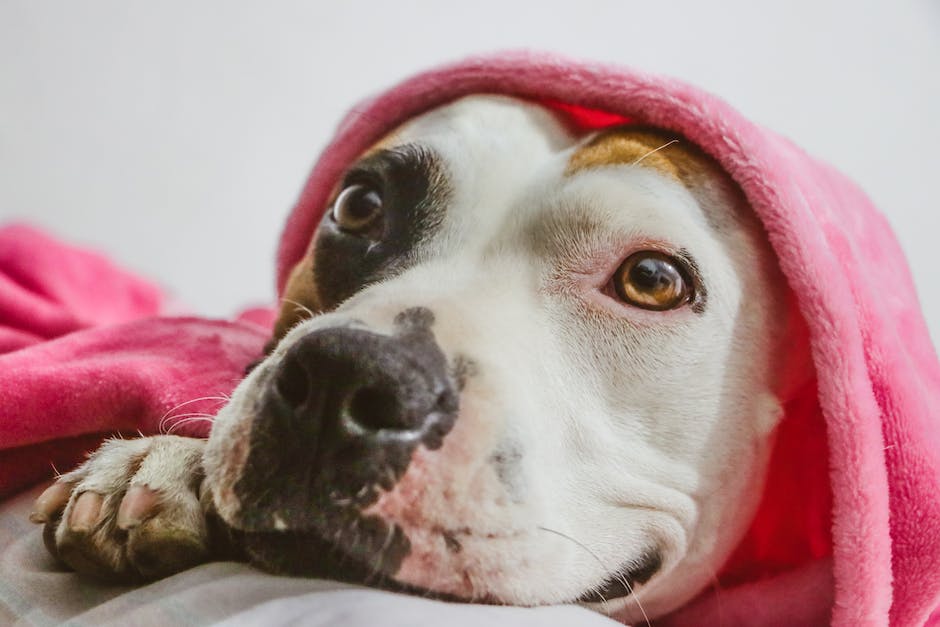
<point x="652" y="280"/>
<point x="357" y="208"/>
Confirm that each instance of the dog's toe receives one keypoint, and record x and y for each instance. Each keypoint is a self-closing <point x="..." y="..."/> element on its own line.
<point x="130" y="512"/>
<point x="157" y="550"/>
<point x="86" y="512"/>
<point x="140" y="503"/>
<point x="50" y="503"/>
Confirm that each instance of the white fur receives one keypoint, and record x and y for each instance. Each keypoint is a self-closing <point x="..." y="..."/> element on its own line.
<point x="635" y="427"/>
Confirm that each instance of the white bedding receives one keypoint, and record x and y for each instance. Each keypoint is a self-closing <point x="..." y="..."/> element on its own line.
<point x="34" y="590"/>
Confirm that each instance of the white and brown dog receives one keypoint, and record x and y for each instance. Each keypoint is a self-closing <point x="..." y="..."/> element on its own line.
<point x="516" y="366"/>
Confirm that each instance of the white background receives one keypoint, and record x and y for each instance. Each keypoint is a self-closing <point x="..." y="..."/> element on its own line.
<point x="175" y="134"/>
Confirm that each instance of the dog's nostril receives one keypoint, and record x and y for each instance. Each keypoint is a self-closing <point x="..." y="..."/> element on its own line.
<point x="293" y="383"/>
<point x="446" y="402"/>
<point x="373" y="409"/>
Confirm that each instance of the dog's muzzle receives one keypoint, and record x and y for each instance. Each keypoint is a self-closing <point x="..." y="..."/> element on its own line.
<point x="337" y="422"/>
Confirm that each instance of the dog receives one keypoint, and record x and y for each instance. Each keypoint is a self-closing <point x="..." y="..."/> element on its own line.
<point x="517" y="365"/>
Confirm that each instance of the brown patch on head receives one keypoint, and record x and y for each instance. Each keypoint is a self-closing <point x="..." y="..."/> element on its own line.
<point x="665" y="152"/>
<point x="388" y="141"/>
<point x="299" y="301"/>
<point x="672" y="156"/>
<point x="624" y="146"/>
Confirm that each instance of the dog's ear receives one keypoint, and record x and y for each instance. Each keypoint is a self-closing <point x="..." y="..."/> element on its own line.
<point x="299" y="301"/>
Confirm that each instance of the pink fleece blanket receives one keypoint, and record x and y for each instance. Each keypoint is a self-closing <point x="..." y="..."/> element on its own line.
<point x="85" y="356"/>
<point x="849" y="527"/>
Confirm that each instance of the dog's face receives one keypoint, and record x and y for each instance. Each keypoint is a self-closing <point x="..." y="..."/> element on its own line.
<point x="544" y="368"/>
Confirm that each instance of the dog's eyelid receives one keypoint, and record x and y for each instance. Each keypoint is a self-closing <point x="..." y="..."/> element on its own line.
<point x="694" y="273"/>
<point x="388" y="167"/>
<point x="359" y="175"/>
<point x="378" y="164"/>
<point x="411" y="152"/>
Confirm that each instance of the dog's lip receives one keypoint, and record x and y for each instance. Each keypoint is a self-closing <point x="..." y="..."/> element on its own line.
<point x="340" y="565"/>
<point x="334" y="561"/>
<point x="250" y="520"/>
<point x="626" y="580"/>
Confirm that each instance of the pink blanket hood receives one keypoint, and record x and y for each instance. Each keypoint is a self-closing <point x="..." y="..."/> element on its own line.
<point x="849" y="530"/>
<point x="849" y="527"/>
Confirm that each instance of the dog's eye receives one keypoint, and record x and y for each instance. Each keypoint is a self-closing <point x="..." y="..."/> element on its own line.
<point x="652" y="280"/>
<point x="357" y="208"/>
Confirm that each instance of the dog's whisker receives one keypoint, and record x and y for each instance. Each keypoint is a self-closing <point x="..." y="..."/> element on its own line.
<point x="389" y="536"/>
<point x="300" y="307"/>
<point x="589" y="552"/>
<point x="222" y="398"/>
<point x="218" y="397"/>
<point x="623" y="579"/>
<point x="183" y="419"/>
<point x="620" y="578"/>
<point x="654" y="150"/>
<point x="375" y="569"/>
<point x="195" y="413"/>
<point x="188" y="420"/>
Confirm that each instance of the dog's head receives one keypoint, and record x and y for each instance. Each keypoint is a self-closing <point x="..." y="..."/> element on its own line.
<point x="516" y="365"/>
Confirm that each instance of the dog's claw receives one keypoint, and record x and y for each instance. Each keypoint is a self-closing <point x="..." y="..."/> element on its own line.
<point x="85" y="512"/>
<point x="139" y="504"/>
<point x="50" y="503"/>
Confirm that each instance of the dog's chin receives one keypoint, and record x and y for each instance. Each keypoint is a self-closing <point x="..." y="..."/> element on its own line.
<point x="307" y="553"/>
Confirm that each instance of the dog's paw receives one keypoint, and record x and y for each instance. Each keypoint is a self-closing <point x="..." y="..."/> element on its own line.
<point x="131" y="512"/>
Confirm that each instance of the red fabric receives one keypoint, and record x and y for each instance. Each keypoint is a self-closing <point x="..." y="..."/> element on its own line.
<point x="792" y="524"/>
<point x="584" y="119"/>
<point x="85" y="358"/>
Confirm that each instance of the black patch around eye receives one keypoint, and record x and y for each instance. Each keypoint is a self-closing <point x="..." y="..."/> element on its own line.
<point x="414" y="190"/>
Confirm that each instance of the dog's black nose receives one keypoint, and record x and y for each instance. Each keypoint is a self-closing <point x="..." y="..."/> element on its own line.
<point x="339" y="419"/>
<point x="345" y="385"/>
